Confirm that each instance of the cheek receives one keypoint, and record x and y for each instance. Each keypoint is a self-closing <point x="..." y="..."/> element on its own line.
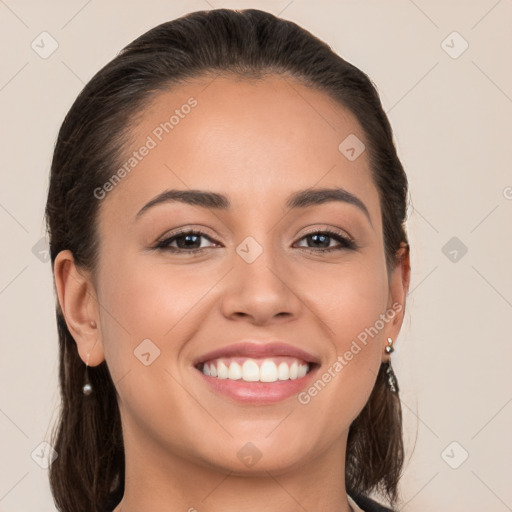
<point x="143" y="317"/>
<point x="147" y="300"/>
<point x="142" y="308"/>
<point x="351" y="305"/>
<point x="353" y="299"/>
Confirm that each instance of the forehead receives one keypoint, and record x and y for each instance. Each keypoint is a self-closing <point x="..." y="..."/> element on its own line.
<point x="262" y="139"/>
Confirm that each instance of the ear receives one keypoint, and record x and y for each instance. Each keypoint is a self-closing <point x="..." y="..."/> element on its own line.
<point x="398" y="288"/>
<point x="79" y="305"/>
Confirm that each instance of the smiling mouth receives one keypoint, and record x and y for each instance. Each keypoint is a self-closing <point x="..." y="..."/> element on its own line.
<point x="270" y="369"/>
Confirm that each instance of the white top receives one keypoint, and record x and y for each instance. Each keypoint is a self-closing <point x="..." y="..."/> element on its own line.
<point x="352" y="503"/>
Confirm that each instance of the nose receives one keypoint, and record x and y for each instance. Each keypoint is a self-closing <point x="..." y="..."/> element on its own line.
<point x="260" y="290"/>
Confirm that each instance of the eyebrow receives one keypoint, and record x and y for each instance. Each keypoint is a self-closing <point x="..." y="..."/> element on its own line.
<point x="300" y="199"/>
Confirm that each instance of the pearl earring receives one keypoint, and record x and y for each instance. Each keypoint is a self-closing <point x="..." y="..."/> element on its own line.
<point x="87" y="387"/>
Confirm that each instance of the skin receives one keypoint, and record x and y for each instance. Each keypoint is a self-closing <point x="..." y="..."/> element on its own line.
<point x="257" y="142"/>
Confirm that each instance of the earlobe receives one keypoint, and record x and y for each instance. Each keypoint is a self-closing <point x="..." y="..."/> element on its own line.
<point x="77" y="299"/>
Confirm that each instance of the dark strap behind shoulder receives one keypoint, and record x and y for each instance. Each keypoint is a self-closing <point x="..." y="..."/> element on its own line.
<point x="369" y="505"/>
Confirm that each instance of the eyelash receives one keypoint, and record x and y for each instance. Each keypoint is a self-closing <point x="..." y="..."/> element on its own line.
<point x="346" y="243"/>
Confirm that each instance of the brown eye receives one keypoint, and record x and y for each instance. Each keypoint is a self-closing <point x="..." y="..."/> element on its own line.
<point x="190" y="242"/>
<point x="321" y="240"/>
<point x="186" y="241"/>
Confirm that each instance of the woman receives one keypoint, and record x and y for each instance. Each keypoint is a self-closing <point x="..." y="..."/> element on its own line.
<point x="226" y="218"/>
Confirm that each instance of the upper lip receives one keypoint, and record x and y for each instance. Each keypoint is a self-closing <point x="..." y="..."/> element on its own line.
<point x="258" y="349"/>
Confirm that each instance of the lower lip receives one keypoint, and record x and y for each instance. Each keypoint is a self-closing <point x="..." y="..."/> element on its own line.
<point x="258" y="392"/>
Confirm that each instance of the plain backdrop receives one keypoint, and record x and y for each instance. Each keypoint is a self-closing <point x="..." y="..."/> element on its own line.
<point x="444" y="73"/>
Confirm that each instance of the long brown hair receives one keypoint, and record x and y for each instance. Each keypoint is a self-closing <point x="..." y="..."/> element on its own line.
<point x="88" y="474"/>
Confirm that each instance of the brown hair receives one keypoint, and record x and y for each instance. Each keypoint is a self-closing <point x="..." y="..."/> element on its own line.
<point x="88" y="474"/>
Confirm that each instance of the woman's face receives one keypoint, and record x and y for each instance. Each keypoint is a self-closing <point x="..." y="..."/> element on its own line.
<point x="260" y="298"/>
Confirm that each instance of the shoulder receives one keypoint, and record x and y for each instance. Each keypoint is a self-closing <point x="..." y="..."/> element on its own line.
<point x="368" y="505"/>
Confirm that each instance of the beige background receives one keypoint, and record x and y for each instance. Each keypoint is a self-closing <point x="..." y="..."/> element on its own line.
<point x="453" y="128"/>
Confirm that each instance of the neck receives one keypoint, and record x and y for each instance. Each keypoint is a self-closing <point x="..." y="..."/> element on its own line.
<point x="174" y="483"/>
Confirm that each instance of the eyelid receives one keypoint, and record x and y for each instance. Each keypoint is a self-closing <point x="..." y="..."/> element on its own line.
<point x="327" y="229"/>
<point x="182" y="232"/>
<point x="189" y="229"/>
<point x="198" y="229"/>
<point x="345" y="241"/>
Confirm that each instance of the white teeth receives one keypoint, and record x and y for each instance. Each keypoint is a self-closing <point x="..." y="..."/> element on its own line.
<point x="235" y="371"/>
<point x="251" y="371"/>
<point x="268" y="371"/>
<point x="222" y="370"/>
<point x="294" y="370"/>
<point x="303" y="369"/>
<point x="283" y="372"/>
